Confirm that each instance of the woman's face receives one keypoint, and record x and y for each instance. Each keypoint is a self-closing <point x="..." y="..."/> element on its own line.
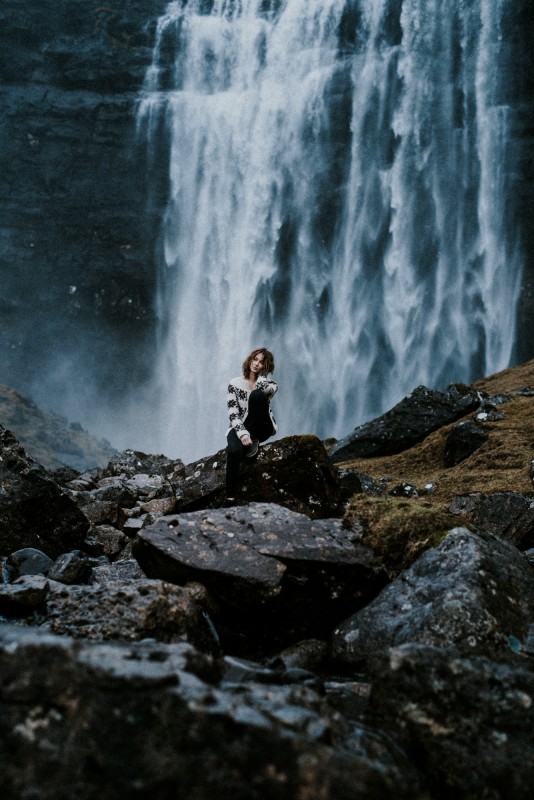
<point x="256" y="365"/>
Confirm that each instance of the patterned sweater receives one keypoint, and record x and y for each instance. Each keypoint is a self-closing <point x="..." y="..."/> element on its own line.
<point x="237" y="401"/>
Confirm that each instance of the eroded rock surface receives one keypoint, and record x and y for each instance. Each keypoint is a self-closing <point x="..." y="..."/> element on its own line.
<point x="466" y="722"/>
<point x="472" y="592"/>
<point x="462" y="441"/>
<point x="294" y="472"/>
<point x="509" y="515"/>
<point x="128" y="610"/>
<point x="22" y="597"/>
<point x="130" y="492"/>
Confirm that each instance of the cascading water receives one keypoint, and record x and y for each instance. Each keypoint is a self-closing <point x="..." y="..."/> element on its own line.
<point x="336" y="193"/>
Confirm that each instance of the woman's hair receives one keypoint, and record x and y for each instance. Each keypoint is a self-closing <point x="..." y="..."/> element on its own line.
<point x="268" y="361"/>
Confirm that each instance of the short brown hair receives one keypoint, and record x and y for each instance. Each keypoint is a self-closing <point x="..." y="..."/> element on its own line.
<point x="268" y="361"/>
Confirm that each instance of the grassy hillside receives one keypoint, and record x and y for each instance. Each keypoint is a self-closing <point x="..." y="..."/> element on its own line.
<point x="503" y="463"/>
<point x="400" y="528"/>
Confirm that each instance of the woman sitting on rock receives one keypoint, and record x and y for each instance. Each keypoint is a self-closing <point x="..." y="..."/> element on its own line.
<point x="249" y="410"/>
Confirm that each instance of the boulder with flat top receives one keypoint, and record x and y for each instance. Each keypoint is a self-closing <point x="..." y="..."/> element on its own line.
<point x="278" y="575"/>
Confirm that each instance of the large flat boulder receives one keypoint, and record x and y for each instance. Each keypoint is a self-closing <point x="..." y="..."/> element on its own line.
<point x="406" y="424"/>
<point x="275" y="572"/>
<point x="472" y="592"/>
<point x="34" y="510"/>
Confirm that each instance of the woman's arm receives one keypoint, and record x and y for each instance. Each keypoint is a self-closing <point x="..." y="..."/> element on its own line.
<point x="234" y="415"/>
<point x="268" y="386"/>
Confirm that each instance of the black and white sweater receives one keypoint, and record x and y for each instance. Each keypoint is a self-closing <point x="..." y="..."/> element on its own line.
<point x="237" y="401"/>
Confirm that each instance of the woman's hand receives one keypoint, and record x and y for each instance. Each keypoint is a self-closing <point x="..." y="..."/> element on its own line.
<point x="246" y="440"/>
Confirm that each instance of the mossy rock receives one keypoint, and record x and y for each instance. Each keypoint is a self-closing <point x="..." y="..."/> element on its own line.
<point x="397" y="530"/>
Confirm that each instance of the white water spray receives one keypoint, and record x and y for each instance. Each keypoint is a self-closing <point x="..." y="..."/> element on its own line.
<point x="336" y="193"/>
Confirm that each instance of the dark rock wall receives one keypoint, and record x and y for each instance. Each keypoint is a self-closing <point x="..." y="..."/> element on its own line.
<point x="518" y="64"/>
<point x="77" y="239"/>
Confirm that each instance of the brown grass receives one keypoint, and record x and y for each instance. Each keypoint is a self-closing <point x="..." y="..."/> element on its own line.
<point x="399" y="529"/>
<point x="503" y="463"/>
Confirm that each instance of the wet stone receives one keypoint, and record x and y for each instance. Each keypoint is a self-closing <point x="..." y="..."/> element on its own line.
<point x="28" y="561"/>
<point x="70" y="568"/>
<point x="26" y="594"/>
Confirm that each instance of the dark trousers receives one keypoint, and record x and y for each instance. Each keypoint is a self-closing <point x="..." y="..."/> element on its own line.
<point x="259" y="424"/>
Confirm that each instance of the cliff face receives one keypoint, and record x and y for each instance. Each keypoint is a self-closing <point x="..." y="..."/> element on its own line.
<point x="519" y="61"/>
<point x="77" y="241"/>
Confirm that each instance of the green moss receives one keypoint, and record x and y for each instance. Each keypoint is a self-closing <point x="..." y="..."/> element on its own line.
<point x="398" y="531"/>
<point x="301" y="439"/>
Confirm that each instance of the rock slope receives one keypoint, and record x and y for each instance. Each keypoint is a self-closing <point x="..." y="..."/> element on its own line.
<point x="361" y="631"/>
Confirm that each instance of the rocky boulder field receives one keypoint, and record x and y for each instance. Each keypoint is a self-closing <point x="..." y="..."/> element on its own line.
<point x="359" y="625"/>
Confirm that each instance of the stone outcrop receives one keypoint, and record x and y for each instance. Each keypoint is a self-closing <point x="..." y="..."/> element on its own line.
<point x="128" y="610"/>
<point x="509" y="515"/>
<point x="34" y="510"/>
<point x="132" y="491"/>
<point x="409" y="422"/>
<point x="294" y="472"/>
<point x="473" y="592"/>
<point x="466" y="722"/>
<point x="462" y="441"/>
<point x="131" y="463"/>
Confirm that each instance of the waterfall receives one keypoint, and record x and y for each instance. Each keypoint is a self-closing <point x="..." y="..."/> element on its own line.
<point x="336" y="193"/>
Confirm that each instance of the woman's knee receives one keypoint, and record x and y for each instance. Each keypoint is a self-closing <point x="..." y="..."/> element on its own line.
<point x="257" y="394"/>
<point x="258" y="401"/>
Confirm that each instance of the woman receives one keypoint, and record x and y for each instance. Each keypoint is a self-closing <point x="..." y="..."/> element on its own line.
<point x="249" y="410"/>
